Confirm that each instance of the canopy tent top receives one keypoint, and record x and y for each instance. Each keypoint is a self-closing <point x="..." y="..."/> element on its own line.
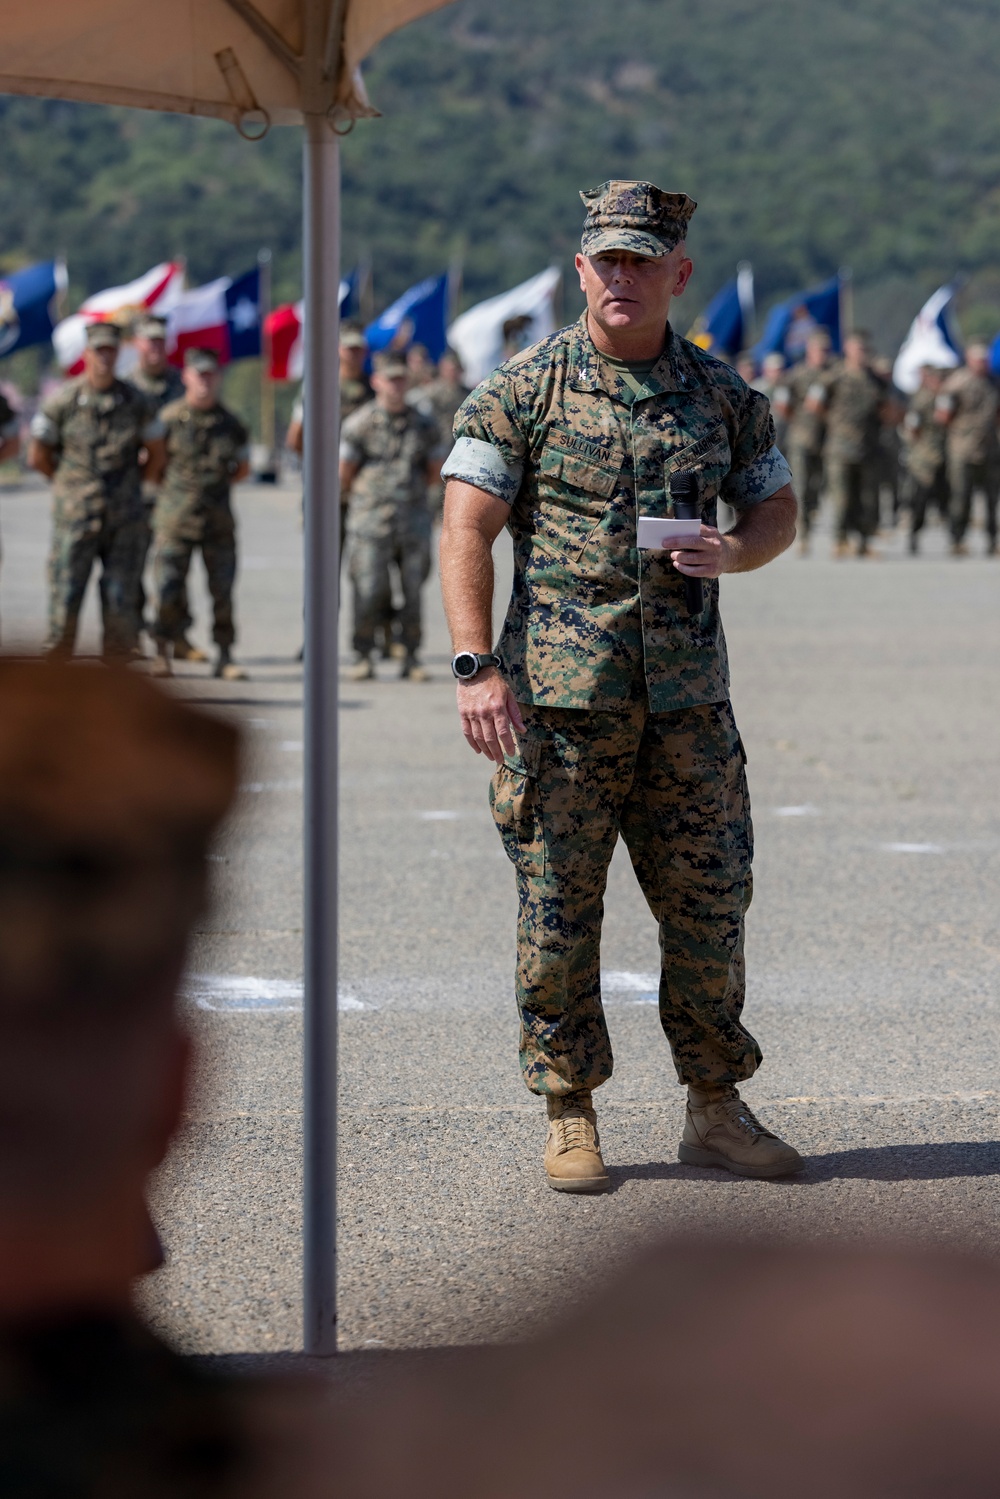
<point x="238" y="60"/>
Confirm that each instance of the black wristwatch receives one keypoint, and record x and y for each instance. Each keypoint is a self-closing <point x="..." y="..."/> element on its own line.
<point x="467" y="664"/>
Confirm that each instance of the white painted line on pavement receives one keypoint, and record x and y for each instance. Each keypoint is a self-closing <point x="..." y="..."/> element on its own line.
<point x="257" y="786"/>
<point x="236" y="993"/>
<point x="439" y="816"/>
<point x="806" y="810"/>
<point x="293" y="746"/>
<point x="642" y="988"/>
<point x="913" y="848"/>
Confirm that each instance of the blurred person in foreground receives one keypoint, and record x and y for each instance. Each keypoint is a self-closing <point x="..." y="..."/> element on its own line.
<point x="109" y="795"/>
<point x="389" y="457"/>
<point x="852" y="401"/>
<point x="806" y="427"/>
<point x="718" y="1369"/>
<point x="967" y="407"/>
<point x="925" y="453"/>
<point x="606" y="704"/>
<point x="99" y="440"/>
<point x="207" y="450"/>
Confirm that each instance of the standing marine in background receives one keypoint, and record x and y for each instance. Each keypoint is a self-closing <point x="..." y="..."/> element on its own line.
<point x="806" y="427"/>
<point x="98" y="439"/>
<point x="440" y="400"/>
<point x="389" y="455"/>
<point x="926" y="461"/>
<point x="853" y="402"/>
<point x="206" y="455"/>
<point x="967" y="408"/>
<point x="159" y="382"/>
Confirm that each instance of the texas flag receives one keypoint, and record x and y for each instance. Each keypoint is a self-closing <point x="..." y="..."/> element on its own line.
<point x="157" y="291"/>
<point x="223" y="315"/>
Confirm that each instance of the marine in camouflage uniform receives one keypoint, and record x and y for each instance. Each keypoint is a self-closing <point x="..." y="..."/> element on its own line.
<point x="855" y="401"/>
<point x="91" y="440"/>
<point x="802" y="395"/>
<point x="968" y="405"/>
<point x="440" y="399"/>
<point x="926" y="461"/>
<point x="624" y="696"/>
<point x="389" y="454"/>
<point x="159" y="382"/>
<point x="206" y="451"/>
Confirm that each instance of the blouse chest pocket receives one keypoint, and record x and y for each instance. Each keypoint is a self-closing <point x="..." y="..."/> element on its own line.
<point x="573" y="494"/>
<point x="710" y="457"/>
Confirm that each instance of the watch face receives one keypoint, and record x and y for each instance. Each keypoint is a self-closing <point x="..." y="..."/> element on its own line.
<point x="465" y="664"/>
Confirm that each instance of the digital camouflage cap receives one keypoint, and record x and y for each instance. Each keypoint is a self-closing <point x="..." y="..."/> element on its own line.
<point x="636" y="216"/>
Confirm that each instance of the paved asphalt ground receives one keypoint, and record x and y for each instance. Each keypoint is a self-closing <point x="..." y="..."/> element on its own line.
<point x="867" y="693"/>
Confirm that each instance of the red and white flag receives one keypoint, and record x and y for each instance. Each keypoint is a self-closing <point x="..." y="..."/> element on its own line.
<point x="284" y="330"/>
<point x="199" y="320"/>
<point x="157" y="291"/>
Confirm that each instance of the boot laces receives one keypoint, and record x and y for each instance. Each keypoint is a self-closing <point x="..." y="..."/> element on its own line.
<point x="574" y="1131"/>
<point x="745" y="1119"/>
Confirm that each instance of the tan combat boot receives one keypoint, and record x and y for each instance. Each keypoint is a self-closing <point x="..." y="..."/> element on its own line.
<point x="573" y="1161"/>
<point x="721" y="1131"/>
<point x="185" y="651"/>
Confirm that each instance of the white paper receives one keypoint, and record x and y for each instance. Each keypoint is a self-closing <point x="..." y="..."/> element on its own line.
<point x="657" y="535"/>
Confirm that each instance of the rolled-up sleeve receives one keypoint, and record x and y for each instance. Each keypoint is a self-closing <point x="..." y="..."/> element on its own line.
<point x="758" y="481"/>
<point x="490" y="447"/>
<point x="758" y="469"/>
<point x="44" y="429"/>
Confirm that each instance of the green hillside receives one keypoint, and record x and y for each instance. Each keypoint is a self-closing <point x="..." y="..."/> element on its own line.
<point x="865" y="133"/>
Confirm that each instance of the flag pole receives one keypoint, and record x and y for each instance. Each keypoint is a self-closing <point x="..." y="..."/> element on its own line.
<point x="321" y="267"/>
<point x="269" y="473"/>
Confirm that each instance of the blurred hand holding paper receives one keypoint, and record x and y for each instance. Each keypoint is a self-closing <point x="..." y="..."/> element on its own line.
<point x="658" y="535"/>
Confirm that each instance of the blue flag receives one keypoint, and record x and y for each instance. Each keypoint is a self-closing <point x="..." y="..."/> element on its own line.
<point x="28" y="305"/>
<point x="725" y="325"/>
<point x="419" y="316"/>
<point x="350" y="294"/>
<point x="789" y="324"/>
<point x="243" y="316"/>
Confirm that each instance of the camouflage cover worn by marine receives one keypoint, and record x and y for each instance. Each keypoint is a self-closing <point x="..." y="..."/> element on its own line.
<point x="674" y="786"/>
<point x="96" y="438"/>
<point x="388" y="518"/>
<point x="204" y="450"/>
<point x="558" y="434"/>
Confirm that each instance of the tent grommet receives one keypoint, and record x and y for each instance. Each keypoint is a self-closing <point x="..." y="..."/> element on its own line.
<point x="253" y="124"/>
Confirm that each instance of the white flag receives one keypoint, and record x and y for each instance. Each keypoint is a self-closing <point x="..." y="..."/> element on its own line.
<point x="526" y="311"/>
<point x="931" y="340"/>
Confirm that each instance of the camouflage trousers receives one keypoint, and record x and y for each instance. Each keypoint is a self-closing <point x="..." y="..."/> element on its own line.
<point x="807" y="480"/>
<point x="673" y="785"/>
<point x="374" y="560"/>
<point x="855" y="490"/>
<point x="965" y="479"/>
<point x="171" y="564"/>
<point x="120" y="547"/>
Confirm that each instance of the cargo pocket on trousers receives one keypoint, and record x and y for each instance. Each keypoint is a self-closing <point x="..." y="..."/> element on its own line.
<point x="517" y="811"/>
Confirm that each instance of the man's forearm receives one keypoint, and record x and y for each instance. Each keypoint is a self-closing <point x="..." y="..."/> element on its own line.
<point x="472" y="522"/>
<point x="762" y="533"/>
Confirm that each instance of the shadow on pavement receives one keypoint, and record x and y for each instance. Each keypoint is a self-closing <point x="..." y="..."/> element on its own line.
<point x="881" y="1163"/>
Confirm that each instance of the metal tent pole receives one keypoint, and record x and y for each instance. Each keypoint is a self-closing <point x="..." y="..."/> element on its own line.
<point x="321" y="276"/>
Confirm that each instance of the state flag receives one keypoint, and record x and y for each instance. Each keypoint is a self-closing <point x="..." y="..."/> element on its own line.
<point x="223" y="315"/>
<point x="28" y="305"/>
<point x="284" y="329"/>
<point x="500" y="327"/>
<point x="725" y="326"/>
<point x="157" y="291"/>
<point x="419" y="316"/>
<point x="789" y="324"/>
<point x="931" y="340"/>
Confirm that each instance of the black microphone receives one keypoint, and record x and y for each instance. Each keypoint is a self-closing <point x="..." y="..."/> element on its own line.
<point x="684" y="494"/>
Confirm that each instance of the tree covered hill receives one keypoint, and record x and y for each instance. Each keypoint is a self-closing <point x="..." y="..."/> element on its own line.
<point x="814" y="135"/>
